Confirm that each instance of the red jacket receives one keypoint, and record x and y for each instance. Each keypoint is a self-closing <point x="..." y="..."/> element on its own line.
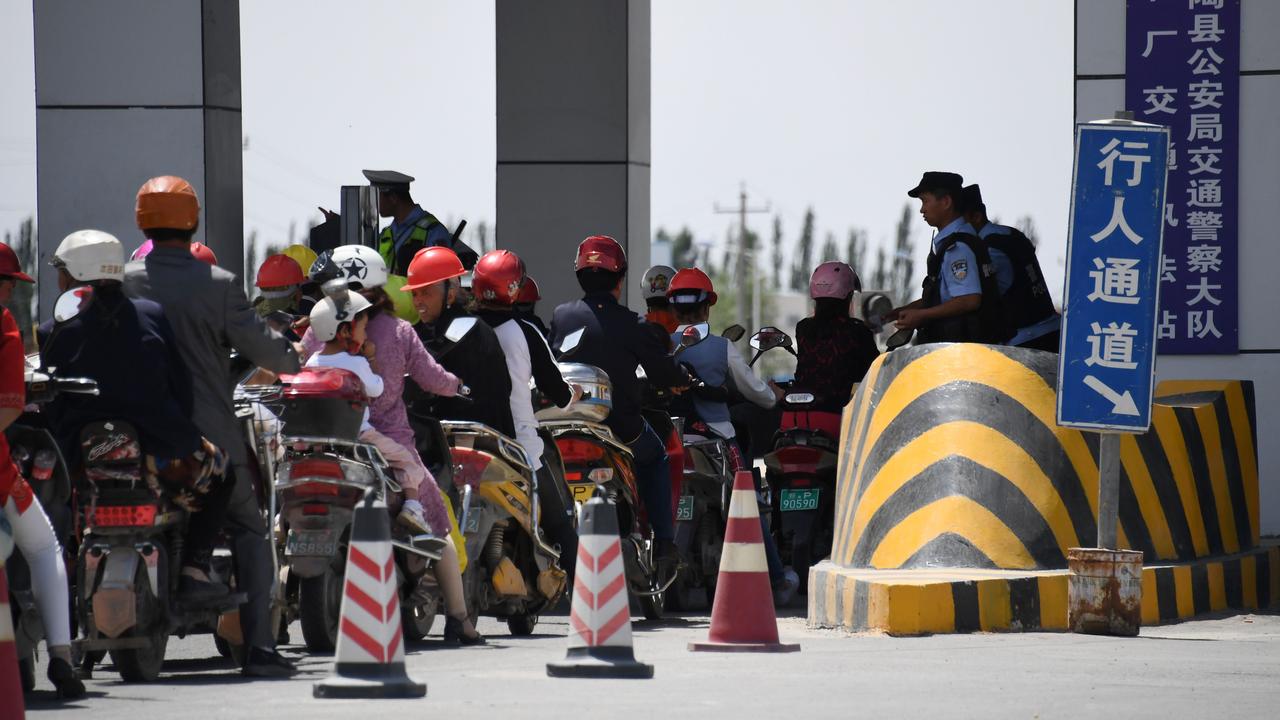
<point x="13" y="394"/>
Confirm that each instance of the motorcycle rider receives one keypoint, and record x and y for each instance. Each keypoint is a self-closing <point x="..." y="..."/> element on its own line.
<point x="400" y="354"/>
<point x="653" y="288"/>
<point x="496" y="283"/>
<point x="526" y="305"/>
<point x="279" y="282"/>
<point x="32" y="531"/>
<point x="617" y="340"/>
<point x="719" y="364"/>
<point x="834" y="350"/>
<point x="209" y="314"/>
<point x="477" y="358"/>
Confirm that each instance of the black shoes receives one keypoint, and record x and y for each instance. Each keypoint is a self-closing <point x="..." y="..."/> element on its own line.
<point x="267" y="664"/>
<point x="193" y="590"/>
<point x="64" y="679"/>
<point x="453" y="633"/>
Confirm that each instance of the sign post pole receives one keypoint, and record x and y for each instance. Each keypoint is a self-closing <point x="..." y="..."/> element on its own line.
<point x="1106" y="367"/>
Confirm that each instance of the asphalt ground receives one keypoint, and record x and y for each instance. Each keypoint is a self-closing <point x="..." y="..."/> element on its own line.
<point x="1225" y="666"/>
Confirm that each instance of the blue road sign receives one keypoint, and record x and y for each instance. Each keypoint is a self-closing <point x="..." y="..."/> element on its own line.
<point x="1106" y="368"/>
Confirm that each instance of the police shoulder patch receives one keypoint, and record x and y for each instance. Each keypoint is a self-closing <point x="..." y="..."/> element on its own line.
<point x="960" y="269"/>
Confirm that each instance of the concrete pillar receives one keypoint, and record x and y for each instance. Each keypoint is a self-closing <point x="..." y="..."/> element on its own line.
<point x="127" y="90"/>
<point x="573" y="135"/>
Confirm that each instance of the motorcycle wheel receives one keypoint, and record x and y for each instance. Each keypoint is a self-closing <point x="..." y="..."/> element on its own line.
<point x="710" y="535"/>
<point x="417" y="621"/>
<point x="679" y="596"/>
<point x="319" y="603"/>
<point x="141" y="665"/>
<point x="522" y="624"/>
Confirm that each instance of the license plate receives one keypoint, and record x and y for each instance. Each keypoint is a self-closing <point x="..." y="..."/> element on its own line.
<point x="321" y="543"/>
<point x="802" y="499"/>
<point x="473" y="522"/>
<point x="582" y="492"/>
<point x="685" y="509"/>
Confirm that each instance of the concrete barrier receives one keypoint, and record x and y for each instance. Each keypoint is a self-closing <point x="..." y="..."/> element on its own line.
<point x="951" y="458"/>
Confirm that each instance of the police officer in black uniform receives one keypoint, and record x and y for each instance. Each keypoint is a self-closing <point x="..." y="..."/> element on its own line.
<point x="1023" y="291"/>
<point x="960" y="300"/>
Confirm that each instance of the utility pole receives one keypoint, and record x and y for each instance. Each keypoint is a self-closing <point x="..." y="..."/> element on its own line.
<point x="740" y="265"/>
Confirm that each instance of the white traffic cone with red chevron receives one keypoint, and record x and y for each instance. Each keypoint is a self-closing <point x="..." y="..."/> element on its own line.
<point x="369" y="662"/>
<point x="742" y="616"/>
<point x="10" y="681"/>
<point x="600" y="614"/>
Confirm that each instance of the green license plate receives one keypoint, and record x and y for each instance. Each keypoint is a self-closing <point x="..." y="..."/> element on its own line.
<point x="315" y="543"/>
<point x="805" y="499"/>
<point x="685" y="509"/>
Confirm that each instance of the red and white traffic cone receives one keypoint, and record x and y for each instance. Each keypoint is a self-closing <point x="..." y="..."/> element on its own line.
<point x="600" y="615"/>
<point x="369" y="662"/>
<point x="11" y="707"/>
<point x="742" y="617"/>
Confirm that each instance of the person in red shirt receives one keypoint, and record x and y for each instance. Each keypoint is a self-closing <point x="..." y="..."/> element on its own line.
<point x="32" y="531"/>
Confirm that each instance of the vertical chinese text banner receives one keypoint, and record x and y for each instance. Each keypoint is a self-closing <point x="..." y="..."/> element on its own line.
<point x="1183" y="71"/>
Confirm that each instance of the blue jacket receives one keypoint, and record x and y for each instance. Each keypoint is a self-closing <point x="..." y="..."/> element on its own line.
<point x="710" y="360"/>
<point x="128" y="347"/>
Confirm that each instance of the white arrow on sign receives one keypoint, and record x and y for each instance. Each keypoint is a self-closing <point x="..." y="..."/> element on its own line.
<point x="1124" y="404"/>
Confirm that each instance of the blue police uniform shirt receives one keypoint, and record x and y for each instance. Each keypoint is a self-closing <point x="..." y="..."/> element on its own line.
<point x="437" y="235"/>
<point x="1004" y="266"/>
<point x="960" y="274"/>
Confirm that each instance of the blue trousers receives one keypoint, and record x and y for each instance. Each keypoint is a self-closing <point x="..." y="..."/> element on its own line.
<point x="653" y="474"/>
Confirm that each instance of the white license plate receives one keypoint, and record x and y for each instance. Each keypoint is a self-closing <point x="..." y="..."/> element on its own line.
<point x="799" y="499"/>
<point x="685" y="510"/>
<point x="316" y="543"/>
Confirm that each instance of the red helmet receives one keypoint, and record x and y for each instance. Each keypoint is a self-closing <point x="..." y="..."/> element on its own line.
<point x="528" y="291"/>
<point x="601" y="252"/>
<point x="497" y="277"/>
<point x="688" y="280"/>
<point x="203" y="253"/>
<point x="432" y="265"/>
<point x="9" y="265"/>
<point x="279" y="271"/>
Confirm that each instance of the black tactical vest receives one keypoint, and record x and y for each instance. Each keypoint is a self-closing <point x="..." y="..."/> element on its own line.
<point x="987" y="324"/>
<point x="1027" y="300"/>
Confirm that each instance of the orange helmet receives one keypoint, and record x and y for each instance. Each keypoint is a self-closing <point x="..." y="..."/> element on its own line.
<point x="203" y="253"/>
<point x="528" y="291"/>
<point x="601" y="252"/>
<point x="279" y="271"/>
<point x="432" y="265"/>
<point x="693" y="284"/>
<point x="167" y="202"/>
<point x="497" y="277"/>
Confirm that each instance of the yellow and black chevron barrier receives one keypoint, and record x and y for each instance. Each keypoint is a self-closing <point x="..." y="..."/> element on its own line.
<point x="951" y="458"/>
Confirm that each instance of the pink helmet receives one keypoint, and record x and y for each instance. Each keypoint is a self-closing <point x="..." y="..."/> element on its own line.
<point x="833" y="279"/>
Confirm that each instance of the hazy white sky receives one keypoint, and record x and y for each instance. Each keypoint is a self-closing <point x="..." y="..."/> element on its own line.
<point x="838" y="105"/>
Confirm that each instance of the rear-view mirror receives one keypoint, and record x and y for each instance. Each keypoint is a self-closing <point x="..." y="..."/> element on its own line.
<point x="72" y="302"/>
<point x="768" y="338"/>
<point x="571" y="341"/>
<point x="693" y="335"/>
<point x="459" y="328"/>
<point x="733" y="333"/>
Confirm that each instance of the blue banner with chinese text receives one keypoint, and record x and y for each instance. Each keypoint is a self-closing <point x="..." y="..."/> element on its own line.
<point x="1182" y="70"/>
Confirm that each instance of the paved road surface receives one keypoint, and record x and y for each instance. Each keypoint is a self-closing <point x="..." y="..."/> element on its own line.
<point x="1207" y="668"/>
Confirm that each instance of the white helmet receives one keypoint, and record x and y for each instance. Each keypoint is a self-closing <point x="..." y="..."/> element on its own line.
<point x="327" y="315"/>
<point x="91" y="255"/>
<point x="655" y="281"/>
<point x="360" y="264"/>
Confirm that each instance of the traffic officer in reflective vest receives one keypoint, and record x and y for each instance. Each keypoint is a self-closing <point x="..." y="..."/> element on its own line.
<point x="961" y="301"/>
<point x="411" y="228"/>
<point x="1028" y="306"/>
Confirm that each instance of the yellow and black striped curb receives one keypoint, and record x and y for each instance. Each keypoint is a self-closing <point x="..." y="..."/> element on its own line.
<point x="916" y="602"/>
<point x="951" y="457"/>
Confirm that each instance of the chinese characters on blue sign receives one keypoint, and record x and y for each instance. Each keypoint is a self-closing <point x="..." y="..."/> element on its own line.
<point x="1105" y="371"/>
<point x="1183" y="72"/>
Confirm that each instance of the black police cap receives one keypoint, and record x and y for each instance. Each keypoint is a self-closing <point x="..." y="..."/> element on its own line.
<point x="971" y="198"/>
<point x="388" y="179"/>
<point x="935" y="180"/>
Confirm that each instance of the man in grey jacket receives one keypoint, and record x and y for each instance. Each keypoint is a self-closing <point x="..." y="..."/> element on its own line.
<point x="210" y="316"/>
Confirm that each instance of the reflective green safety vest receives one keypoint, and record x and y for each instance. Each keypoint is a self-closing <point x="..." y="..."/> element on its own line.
<point x="397" y="259"/>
